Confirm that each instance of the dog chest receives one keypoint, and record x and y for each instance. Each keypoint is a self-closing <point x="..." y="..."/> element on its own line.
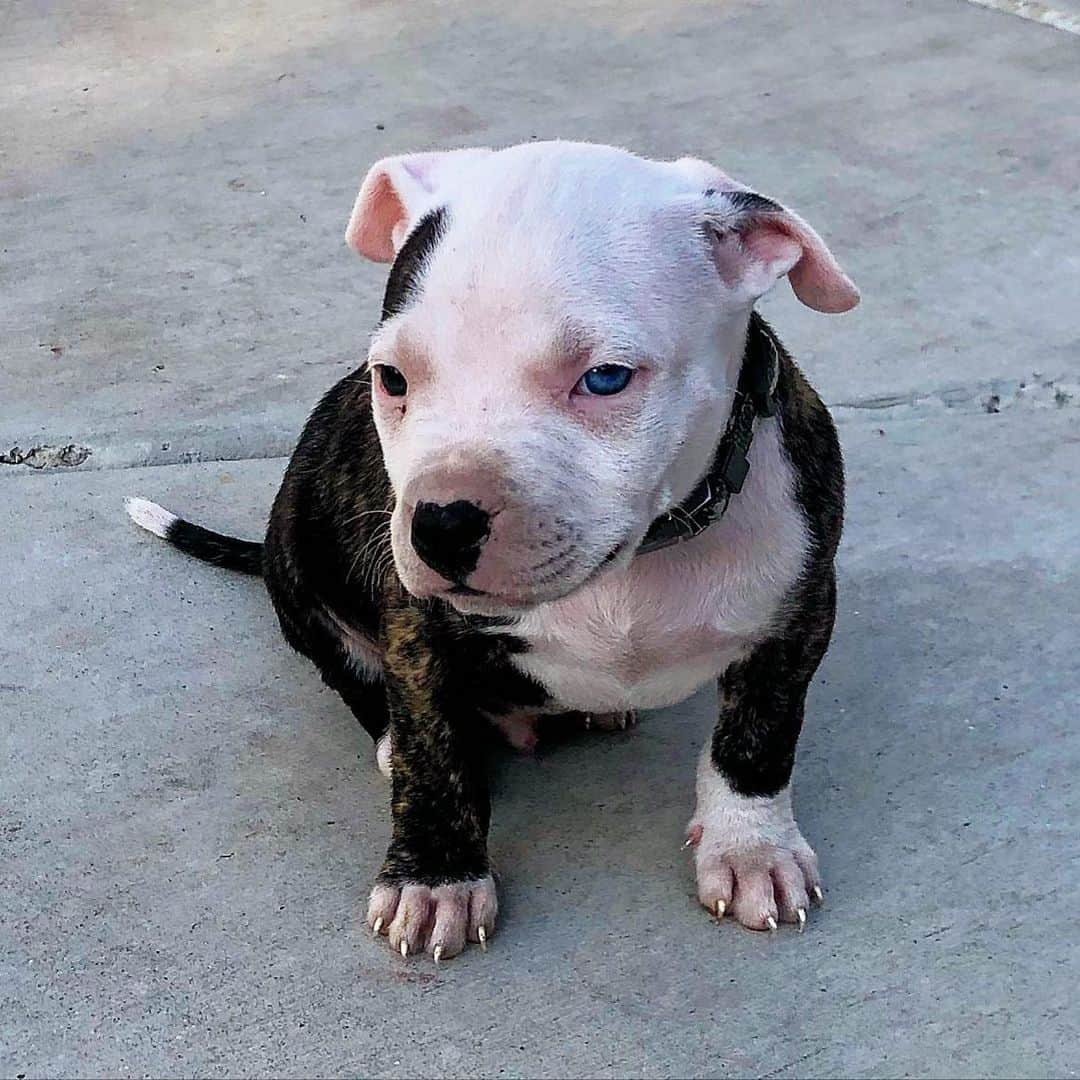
<point x="653" y="633"/>
<point x="644" y="640"/>
<point x="620" y="656"/>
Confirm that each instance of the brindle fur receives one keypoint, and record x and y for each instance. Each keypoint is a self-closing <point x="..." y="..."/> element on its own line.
<point x="327" y="549"/>
<point x="762" y="697"/>
<point x="444" y="673"/>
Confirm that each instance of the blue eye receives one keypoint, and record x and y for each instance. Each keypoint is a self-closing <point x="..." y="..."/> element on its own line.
<point x="393" y="382"/>
<point x="606" y="379"/>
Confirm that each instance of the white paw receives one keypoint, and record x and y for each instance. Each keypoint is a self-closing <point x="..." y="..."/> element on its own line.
<point x="436" y="919"/>
<point x="760" y="885"/>
<point x="752" y="862"/>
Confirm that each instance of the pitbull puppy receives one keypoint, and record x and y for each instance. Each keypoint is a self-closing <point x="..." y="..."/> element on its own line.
<point x="577" y="472"/>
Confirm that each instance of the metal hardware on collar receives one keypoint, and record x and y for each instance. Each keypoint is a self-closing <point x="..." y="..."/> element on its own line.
<point x="755" y="397"/>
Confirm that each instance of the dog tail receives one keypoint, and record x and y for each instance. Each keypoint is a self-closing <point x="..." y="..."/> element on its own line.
<point x="204" y="544"/>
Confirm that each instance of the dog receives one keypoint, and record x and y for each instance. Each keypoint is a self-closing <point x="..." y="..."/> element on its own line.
<point x="577" y="474"/>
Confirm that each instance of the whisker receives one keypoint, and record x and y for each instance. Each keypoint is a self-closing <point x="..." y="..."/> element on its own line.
<point x="374" y="540"/>
<point x="362" y="514"/>
<point x="380" y="568"/>
<point x="377" y="565"/>
<point x="381" y="534"/>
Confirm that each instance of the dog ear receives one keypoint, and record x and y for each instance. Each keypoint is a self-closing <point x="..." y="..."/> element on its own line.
<point x="396" y="193"/>
<point x="757" y="241"/>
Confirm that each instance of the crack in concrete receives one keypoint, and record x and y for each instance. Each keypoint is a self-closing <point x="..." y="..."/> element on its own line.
<point x="992" y="396"/>
<point x="47" y="457"/>
<point x="228" y="444"/>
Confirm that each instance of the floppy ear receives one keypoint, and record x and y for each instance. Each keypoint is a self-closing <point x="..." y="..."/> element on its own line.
<point x="756" y="241"/>
<point x="396" y="193"/>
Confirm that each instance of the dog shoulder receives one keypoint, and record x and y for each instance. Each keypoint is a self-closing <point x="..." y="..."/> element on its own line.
<point x="811" y="446"/>
<point x="809" y="442"/>
<point x="327" y="544"/>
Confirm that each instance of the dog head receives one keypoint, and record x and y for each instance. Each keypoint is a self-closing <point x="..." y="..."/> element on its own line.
<point x="561" y="338"/>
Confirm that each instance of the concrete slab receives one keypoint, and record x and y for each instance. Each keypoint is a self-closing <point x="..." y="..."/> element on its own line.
<point x="189" y="821"/>
<point x="177" y="179"/>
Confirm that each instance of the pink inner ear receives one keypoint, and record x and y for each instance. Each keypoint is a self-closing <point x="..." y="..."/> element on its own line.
<point x="376" y="215"/>
<point x="816" y="278"/>
<point x="775" y="248"/>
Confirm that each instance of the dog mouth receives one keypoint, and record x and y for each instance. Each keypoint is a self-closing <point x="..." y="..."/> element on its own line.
<point x="464" y="590"/>
<point x="481" y="601"/>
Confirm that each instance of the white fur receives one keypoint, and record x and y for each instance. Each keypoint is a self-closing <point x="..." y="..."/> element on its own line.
<point x="555" y="258"/>
<point x="363" y="653"/>
<point x="733" y="822"/>
<point x="559" y="257"/>
<point x="650" y="633"/>
<point x="384" y="752"/>
<point x="749" y="857"/>
<point x="148" y="515"/>
<point x="437" y="919"/>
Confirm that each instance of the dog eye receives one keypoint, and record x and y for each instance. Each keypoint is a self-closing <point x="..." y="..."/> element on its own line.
<point x="605" y="379"/>
<point x="393" y="382"/>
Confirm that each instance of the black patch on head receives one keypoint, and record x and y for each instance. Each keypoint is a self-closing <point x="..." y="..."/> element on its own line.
<point x="408" y="269"/>
<point x="750" y="202"/>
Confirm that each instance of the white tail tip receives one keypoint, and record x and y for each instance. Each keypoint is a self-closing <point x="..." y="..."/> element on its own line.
<point x="148" y="515"/>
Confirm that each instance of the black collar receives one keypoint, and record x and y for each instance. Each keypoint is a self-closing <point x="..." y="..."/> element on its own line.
<point x="755" y="396"/>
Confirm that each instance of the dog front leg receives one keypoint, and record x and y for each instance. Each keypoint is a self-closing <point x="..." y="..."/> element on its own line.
<point x="752" y="861"/>
<point x="435" y="890"/>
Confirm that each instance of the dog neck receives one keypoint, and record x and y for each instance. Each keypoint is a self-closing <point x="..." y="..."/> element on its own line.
<point x="754" y="398"/>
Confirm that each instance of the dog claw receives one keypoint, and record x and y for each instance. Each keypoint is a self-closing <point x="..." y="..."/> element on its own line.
<point x="818" y="895"/>
<point x="588" y="721"/>
<point x="437" y="954"/>
<point x="801" y="912"/>
<point x="481" y="933"/>
<point x="377" y="926"/>
<point x="721" y="907"/>
<point x="404" y="948"/>
<point x="770" y="922"/>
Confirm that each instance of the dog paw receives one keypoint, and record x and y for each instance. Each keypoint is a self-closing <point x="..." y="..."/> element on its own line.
<point x="759" y="885"/>
<point x="621" y="720"/>
<point x="435" y="919"/>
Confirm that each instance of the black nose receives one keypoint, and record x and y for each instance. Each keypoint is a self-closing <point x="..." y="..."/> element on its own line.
<point x="448" y="536"/>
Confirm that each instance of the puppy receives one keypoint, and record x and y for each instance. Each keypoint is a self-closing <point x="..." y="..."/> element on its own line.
<point x="577" y="472"/>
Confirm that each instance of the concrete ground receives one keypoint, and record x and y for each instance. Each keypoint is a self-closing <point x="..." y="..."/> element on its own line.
<point x="189" y="821"/>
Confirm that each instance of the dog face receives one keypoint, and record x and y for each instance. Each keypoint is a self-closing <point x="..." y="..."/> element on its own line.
<point x="562" y="335"/>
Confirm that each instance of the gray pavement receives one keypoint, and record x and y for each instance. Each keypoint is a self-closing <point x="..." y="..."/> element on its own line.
<point x="189" y="821"/>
